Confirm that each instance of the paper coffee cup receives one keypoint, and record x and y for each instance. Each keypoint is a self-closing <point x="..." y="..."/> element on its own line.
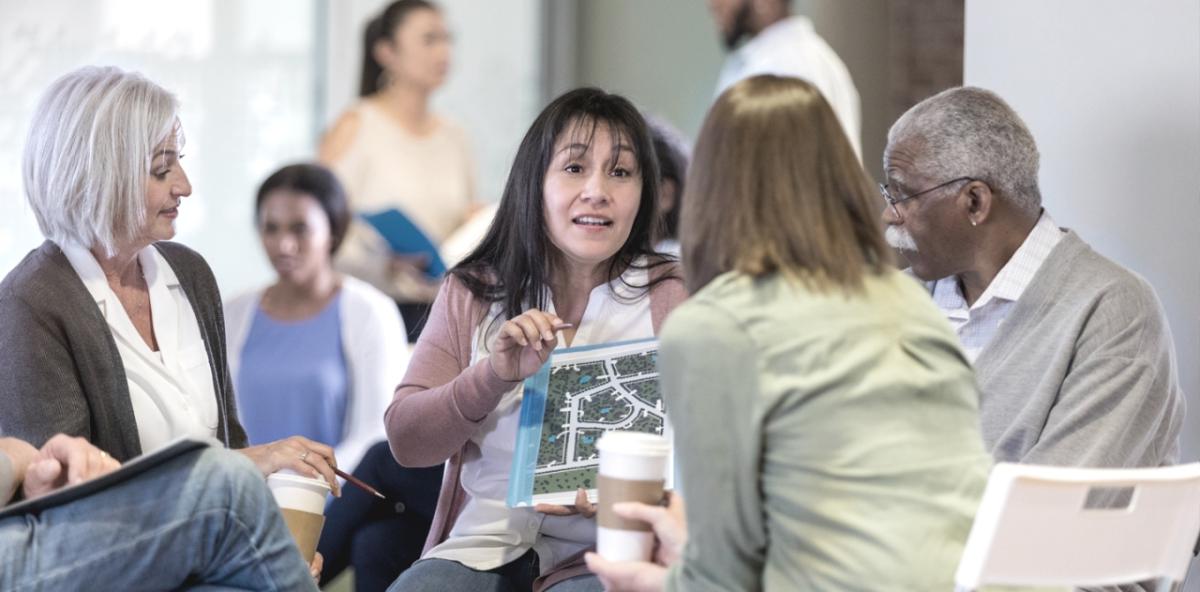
<point x="633" y="468"/>
<point x="302" y="502"/>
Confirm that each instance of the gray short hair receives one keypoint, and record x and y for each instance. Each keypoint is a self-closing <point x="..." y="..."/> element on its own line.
<point x="972" y="132"/>
<point x="89" y="150"/>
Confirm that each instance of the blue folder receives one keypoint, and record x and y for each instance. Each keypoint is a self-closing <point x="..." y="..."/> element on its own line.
<point x="404" y="238"/>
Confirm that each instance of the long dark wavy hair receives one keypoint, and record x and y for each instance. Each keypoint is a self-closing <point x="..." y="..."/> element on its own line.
<point x="513" y="264"/>
<point x="380" y="28"/>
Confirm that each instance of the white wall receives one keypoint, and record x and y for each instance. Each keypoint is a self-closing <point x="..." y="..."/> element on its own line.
<point x="1111" y="91"/>
<point x="244" y="73"/>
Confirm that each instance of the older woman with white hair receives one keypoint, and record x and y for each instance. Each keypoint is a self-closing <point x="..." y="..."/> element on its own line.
<point x="111" y="332"/>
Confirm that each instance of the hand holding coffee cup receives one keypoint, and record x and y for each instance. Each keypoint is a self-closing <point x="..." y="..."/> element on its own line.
<point x="302" y="502"/>
<point x="633" y="468"/>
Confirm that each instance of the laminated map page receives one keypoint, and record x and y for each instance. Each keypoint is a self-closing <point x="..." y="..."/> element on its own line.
<point x="579" y="394"/>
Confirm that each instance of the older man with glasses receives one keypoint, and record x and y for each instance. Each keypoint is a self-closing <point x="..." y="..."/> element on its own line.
<point x="1072" y="352"/>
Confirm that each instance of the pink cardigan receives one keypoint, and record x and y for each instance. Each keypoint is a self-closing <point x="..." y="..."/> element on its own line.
<point x="443" y="399"/>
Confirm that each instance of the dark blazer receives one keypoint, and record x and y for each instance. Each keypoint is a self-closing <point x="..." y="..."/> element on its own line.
<point x="60" y="370"/>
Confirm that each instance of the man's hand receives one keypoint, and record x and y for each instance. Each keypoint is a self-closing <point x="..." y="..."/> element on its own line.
<point x="583" y="507"/>
<point x="63" y="461"/>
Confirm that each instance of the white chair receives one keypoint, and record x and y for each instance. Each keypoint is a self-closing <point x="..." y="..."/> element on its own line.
<point x="1057" y="526"/>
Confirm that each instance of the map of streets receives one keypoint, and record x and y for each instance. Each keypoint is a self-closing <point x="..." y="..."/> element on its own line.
<point x="591" y="392"/>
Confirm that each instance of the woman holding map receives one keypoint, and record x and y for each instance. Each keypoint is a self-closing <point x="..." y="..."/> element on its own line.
<point x="568" y="259"/>
<point x="832" y="429"/>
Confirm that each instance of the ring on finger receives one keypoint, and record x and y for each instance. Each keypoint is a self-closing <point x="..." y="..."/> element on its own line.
<point x="304" y="456"/>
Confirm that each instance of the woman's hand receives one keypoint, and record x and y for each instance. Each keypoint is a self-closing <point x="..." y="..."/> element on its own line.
<point x="583" y="507"/>
<point x="670" y="528"/>
<point x="314" y="568"/>
<point x="306" y="457"/>
<point x="524" y="344"/>
<point x="63" y="461"/>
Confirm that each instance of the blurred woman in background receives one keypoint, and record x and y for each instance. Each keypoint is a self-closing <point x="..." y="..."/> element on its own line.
<point x="315" y="353"/>
<point x="673" y="155"/>
<point x="392" y="152"/>
<point x="318" y="353"/>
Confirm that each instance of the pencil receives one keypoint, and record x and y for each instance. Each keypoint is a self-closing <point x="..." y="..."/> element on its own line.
<point x="354" y="480"/>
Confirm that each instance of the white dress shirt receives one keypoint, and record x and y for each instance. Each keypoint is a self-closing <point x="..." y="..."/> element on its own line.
<point x="792" y="47"/>
<point x="978" y="323"/>
<point x="171" y="389"/>
<point x="489" y="534"/>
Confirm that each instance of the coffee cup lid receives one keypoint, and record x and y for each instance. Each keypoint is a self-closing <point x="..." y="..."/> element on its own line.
<point x="633" y="443"/>
<point x="290" y="476"/>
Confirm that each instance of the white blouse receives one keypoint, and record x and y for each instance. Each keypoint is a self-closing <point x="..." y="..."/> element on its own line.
<point x="171" y="389"/>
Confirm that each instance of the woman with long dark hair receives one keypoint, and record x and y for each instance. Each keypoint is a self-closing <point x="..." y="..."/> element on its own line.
<point x="568" y="259"/>
<point x="391" y="151"/>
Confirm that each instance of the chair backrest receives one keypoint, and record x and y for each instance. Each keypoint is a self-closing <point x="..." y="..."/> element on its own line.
<point x="1059" y="526"/>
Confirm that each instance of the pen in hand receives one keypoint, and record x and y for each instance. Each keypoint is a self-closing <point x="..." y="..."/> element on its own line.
<point x="355" y="481"/>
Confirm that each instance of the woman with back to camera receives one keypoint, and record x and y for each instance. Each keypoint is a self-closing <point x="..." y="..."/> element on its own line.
<point x="831" y="435"/>
<point x="113" y="333"/>
<point x="569" y="259"/>
<point x="391" y="151"/>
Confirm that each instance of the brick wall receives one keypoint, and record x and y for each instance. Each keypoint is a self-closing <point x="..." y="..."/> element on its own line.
<point x="926" y="49"/>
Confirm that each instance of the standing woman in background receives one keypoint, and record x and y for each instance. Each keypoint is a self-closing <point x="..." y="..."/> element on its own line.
<point x="391" y="151"/>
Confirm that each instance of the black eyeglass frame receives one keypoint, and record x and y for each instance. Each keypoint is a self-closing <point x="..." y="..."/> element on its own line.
<point x="892" y="201"/>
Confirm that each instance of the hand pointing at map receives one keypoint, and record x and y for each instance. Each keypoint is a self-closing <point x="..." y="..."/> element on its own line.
<point x="524" y="344"/>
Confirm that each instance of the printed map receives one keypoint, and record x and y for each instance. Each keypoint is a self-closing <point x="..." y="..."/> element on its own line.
<point x="589" y="393"/>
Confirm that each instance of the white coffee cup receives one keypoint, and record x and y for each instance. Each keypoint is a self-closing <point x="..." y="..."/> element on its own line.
<point x="301" y="500"/>
<point x="633" y="468"/>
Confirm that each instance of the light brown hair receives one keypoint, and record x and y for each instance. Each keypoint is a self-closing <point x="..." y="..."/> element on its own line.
<point x="775" y="187"/>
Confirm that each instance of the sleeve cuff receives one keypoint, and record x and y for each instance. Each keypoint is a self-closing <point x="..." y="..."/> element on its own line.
<point x="481" y="391"/>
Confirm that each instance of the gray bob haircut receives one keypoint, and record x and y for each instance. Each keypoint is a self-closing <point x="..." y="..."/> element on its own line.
<point x="88" y="154"/>
<point x="972" y="132"/>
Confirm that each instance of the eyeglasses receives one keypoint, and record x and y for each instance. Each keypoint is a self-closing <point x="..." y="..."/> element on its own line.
<point x="893" y="200"/>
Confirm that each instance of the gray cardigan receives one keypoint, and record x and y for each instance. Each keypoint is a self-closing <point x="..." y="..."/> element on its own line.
<point x="1083" y="372"/>
<point x="60" y="370"/>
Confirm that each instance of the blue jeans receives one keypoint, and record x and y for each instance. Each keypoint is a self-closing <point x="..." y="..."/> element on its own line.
<point x="436" y="575"/>
<point x="203" y="519"/>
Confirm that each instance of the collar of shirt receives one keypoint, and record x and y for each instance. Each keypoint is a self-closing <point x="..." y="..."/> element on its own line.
<point x="1013" y="278"/>
<point x="785" y="32"/>
<point x="161" y="283"/>
<point x="92" y="275"/>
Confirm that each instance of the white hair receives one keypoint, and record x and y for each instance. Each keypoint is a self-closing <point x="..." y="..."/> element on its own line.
<point x="971" y="132"/>
<point x="89" y="151"/>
